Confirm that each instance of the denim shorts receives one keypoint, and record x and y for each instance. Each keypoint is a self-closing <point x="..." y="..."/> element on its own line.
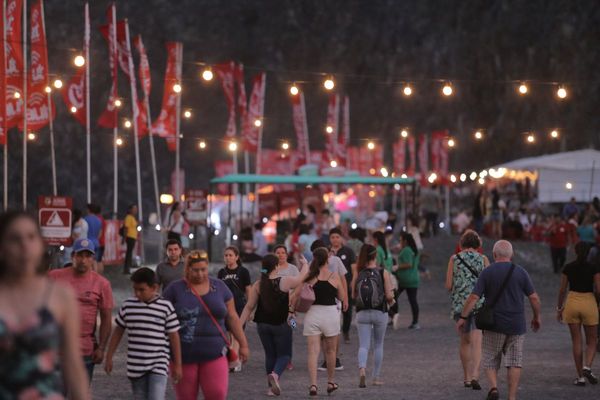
<point x="469" y="322"/>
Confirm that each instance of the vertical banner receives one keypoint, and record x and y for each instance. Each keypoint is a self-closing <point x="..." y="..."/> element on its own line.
<point x="14" y="62"/>
<point x="226" y="73"/>
<point x="166" y="123"/>
<point x="344" y="136"/>
<point x="352" y="159"/>
<point x="222" y="168"/>
<point x="423" y="157"/>
<point x="144" y="67"/>
<point x="331" y="132"/>
<point x="250" y="137"/>
<point x="412" y="151"/>
<point x="242" y="103"/>
<point x="435" y="149"/>
<point x="301" y="128"/>
<point x="74" y="96"/>
<point x="400" y="156"/>
<point x="108" y="119"/>
<point x="443" y="172"/>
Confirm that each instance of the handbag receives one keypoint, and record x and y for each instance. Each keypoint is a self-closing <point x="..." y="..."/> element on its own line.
<point x="484" y="318"/>
<point x="306" y="298"/>
<point x="232" y="355"/>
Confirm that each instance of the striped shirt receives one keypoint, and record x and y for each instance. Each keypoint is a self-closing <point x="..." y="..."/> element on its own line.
<point x="148" y="326"/>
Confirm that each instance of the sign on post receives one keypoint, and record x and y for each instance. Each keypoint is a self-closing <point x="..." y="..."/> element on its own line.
<point x="196" y="205"/>
<point x="55" y="219"/>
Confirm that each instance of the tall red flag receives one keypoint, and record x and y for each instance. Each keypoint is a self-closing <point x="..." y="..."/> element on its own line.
<point x="250" y="137"/>
<point x="74" y="96"/>
<point x="39" y="111"/>
<point x="301" y="128"/>
<point x="423" y="157"/>
<point x="14" y="62"/>
<point x="109" y="119"/>
<point x="331" y="133"/>
<point x="226" y="73"/>
<point x="166" y="123"/>
<point x="412" y="151"/>
<point x="144" y="69"/>
<point x="344" y="136"/>
<point x="3" y="79"/>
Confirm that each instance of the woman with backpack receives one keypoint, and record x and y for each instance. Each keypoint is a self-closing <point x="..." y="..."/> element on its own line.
<point x="372" y="293"/>
<point x="464" y="268"/>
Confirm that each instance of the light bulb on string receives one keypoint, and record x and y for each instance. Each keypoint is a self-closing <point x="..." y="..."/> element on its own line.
<point x="561" y="92"/>
<point x="371" y="145"/>
<point x="329" y="129"/>
<point x="31" y="136"/>
<point x="554" y="134"/>
<point x="285" y="146"/>
<point x="73" y="109"/>
<point x="258" y="122"/>
<point x="48" y="89"/>
<point x="530" y="138"/>
<point x="478" y="135"/>
<point x="119" y="141"/>
<point x="58" y="83"/>
<point x="523" y="89"/>
<point x="328" y="83"/>
<point x="202" y="145"/>
<point x="232" y="146"/>
<point x="127" y="124"/>
<point x="453" y="178"/>
<point x="118" y="103"/>
<point x="333" y="164"/>
<point x="407" y="90"/>
<point x="187" y="114"/>
<point x="384" y="172"/>
<point x="177" y="88"/>
<point x="294" y="90"/>
<point x="79" y="61"/>
<point x="17" y="95"/>
<point x="447" y="90"/>
<point x="207" y="74"/>
<point x="451" y="142"/>
<point x="404" y="133"/>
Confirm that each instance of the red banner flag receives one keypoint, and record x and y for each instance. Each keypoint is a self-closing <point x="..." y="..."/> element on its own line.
<point x="352" y="159"/>
<point x="141" y="116"/>
<point x="226" y="73"/>
<point x="166" y="123"/>
<point x="400" y="156"/>
<point x="412" y="151"/>
<point x="14" y="62"/>
<point x="74" y="96"/>
<point x="423" y="157"/>
<point x="443" y="171"/>
<point x="344" y="136"/>
<point x="331" y="132"/>
<point x="39" y="111"/>
<point x="144" y="69"/>
<point x="108" y="119"/>
<point x="3" y="135"/>
<point x="301" y="128"/>
<point x="222" y="168"/>
<point x="255" y="112"/>
<point x="435" y="149"/>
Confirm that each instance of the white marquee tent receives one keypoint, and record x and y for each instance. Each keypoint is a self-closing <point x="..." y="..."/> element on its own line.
<point x="564" y="175"/>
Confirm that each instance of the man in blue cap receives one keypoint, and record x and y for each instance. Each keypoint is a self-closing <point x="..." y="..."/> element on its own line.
<point x="94" y="295"/>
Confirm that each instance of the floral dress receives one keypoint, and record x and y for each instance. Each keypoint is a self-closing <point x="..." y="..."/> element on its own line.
<point x="463" y="280"/>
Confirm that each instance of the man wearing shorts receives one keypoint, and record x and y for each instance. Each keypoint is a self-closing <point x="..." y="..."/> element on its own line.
<point x="507" y="336"/>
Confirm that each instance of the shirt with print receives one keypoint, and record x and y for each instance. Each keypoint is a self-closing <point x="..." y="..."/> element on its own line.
<point x="237" y="280"/>
<point x="463" y="280"/>
<point x="509" y="311"/>
<point x="409" y="277"/>
<point x="93" y="294"/>
<point x="148" y="326"/>
<point x="200" y="339"/>
<point x="348" y="258"/>
<point x="167" y="273"/>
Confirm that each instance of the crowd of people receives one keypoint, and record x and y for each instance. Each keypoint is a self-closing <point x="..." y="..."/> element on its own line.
<point x="184" y="323"/>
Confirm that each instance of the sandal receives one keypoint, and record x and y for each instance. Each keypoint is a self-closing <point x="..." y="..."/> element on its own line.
<point x="312" y="392"/>
<point x="332" y="387"/>
<point x="467" y="384"/>
<point x="475" y="384"/>
<point x="493" y="394"/>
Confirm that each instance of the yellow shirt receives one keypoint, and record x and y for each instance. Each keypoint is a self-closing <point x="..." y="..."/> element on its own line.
<point x="130" y="225"/>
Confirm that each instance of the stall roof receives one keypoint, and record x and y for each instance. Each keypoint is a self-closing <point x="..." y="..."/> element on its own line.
<point x="311" y="180"/>
<point x="569" y="160"/>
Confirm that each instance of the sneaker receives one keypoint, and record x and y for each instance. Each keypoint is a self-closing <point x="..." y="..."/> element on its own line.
<point x="579" y="381"/>
<point x="396" y="322"/>
<point x="346" y="337"/>
<point x="414" y="326"/>
<point x="290" y="366"/>
<point x="237" y="368"/>
<point x="274" y="384"/>
<point x="587" y="372"/>
<point x="338" y="365"/>
<point x="323" y="366"/>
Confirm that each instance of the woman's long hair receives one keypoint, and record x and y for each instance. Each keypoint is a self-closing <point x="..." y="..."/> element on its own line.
<point x="367" y="254"/>
<point x="582" y="250"/>
<point x="236" y="251"/>
<point x="410" y="241"/>
<point x="380" y="239"/>
<point x="320" y="257"/>
<point x="269" y="263"/>
<point x="173" y="208"/>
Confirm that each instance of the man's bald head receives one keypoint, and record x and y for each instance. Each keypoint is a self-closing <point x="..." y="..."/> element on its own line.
<point x="502" y="250"/>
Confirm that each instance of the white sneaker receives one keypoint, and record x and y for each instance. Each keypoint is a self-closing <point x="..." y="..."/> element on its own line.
<point x="396" y="322"/>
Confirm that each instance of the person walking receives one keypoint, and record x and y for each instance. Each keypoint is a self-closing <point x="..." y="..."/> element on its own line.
<point x="237" y="279"/>
<point x="284" y="268"/>
<point x="504" y="284"/>
<point x="94" y="227"/>
<point x="151" y="325"/>
<point x="323" y="317"/>
<point x="171" y="269"/>
<point x="204" y="307"/>
<point x="384" y="256"/>
<point x="560" y="233"/>
<point x="463" y="270"/>
<point x="407" y="275"/>
<point x="348" y="257"/>
<point x="40" y="349"/>
<point x="94" y="295"/>
<point x="269" y="296"/>
<point x="130" y="234"/>
<point x="372" y="293"/>
<point x="581" y="309"/>
<point x="356" y="240"/>
<point x="101" y="239"/>
<point x="175" y="222"/>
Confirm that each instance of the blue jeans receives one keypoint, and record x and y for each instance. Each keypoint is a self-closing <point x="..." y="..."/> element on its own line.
<point x="89" y="366"/>
<point x="149" y="387"/>
<point x="277" y="342"/>
<point x="371" y="321"/>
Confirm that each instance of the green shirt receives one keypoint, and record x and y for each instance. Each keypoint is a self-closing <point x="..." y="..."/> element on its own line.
<point x="384" y="259"/>
<point x="408" y="278"/>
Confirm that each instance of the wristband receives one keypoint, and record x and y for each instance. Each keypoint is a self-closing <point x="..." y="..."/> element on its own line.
<point x="465" y="318"/>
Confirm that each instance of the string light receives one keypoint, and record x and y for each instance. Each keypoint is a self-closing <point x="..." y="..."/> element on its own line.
<point x="432" y="177"/>
<point x="554" y="134"/>
<point x="523" y="89"/>
<point x="478" y="135"/>
<point x="371" y="193"/>
<point x="384" y="172"/>
<point x="407" y="90"/>
<point x="187" y="114"/>
<point x="233" y="146"/>
<point x="568" y="186"/>
<point x="481" y="181"/>
<point x="453" y="178"/>
<point x="451" y="142"/>
<point x="48" y="89"/>
<point x="207" y="74"/>
<point x="294" y="90"/>
<point x="31" y="136"/>
<point x="329" y="84"/>
<point x="118" y="103"/>
<point x="561" y="92"/>
<point x="257" y="123"/>
<point x="447" y="89"/>
<point x="119" y="141"/>
<point x="473" y="176"/>
<point x="333" y="164"/>
<point x="531" y="138"/>
<point x="285" y="146"/>
<point x="403" y="176"/>
<point x="127" y="124"/>
<point x="463" y="177"/>
<point x="79" y="61"/>
<point x="329" y="129"/>
<point x="73" y="109"/>
<point x="17" y="95"/>
<point x="404" y="133"/>
<point x="372" y="171"/>
<point x="371" y="145"/>
<point x="177" y="88"/>
<point x="202" y="145"/>
<point x="58" y="83"/>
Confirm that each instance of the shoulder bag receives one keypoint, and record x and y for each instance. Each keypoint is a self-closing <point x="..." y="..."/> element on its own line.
<point x="306" y="298"/>
<point x="473" y="271"/>
<point x="484" y="318"/>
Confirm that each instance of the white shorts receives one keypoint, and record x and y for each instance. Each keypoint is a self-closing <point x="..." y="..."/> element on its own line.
<point x="322" y="320"/>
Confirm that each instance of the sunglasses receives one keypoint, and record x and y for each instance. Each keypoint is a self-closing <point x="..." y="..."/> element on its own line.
<point x="198" y="256"/>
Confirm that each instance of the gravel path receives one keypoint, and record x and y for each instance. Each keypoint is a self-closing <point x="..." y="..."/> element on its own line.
<point x="417" y="364"/>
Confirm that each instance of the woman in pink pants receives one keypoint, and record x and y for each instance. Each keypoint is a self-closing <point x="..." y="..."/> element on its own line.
<point x="203" y="348"/>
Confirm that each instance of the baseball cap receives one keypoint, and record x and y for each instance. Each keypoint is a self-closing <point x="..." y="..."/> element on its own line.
<point x="83" y="245"/>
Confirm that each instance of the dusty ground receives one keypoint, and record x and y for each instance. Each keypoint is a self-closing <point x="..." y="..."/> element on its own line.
<point x="417" y="364"/>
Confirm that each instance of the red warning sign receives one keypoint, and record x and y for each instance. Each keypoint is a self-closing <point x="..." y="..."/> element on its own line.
<point x="55" y="219"/>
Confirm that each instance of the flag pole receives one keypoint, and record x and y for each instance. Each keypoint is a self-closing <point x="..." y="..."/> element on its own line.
<point x="50" y="121"/>
<point x="178" y="124"/>
<point x="153" y="159"/>
<point x="24" y="97"/>
<point x="258" y="168"/>
<point x="4" y="130"/>
<point x="87" y="103"/>
<point x="136" y="139"/>
<point x="113" y="33"/>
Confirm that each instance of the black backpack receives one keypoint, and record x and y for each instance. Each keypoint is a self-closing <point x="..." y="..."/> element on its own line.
<point x="370" y="290"/>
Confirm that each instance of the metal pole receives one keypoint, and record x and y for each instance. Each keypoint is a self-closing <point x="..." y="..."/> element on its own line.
<point x="87" y="103"/>
<point x="50" y="121"/>
<point x="228" y="230"/>
<point x="246" y="169"/>
<point x="178" y="125"/>
<point x="258" y="168"/>
<point x="153" y="161"/>
<point x="592" y="179"/>
<point x="115" y="170"/>
<point x="24" y="97"/>
<point x="447" y="208"/>
<point x="5" y="172"/>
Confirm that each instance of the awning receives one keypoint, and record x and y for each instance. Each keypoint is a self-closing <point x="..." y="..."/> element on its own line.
<point x="311" y="180"/>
